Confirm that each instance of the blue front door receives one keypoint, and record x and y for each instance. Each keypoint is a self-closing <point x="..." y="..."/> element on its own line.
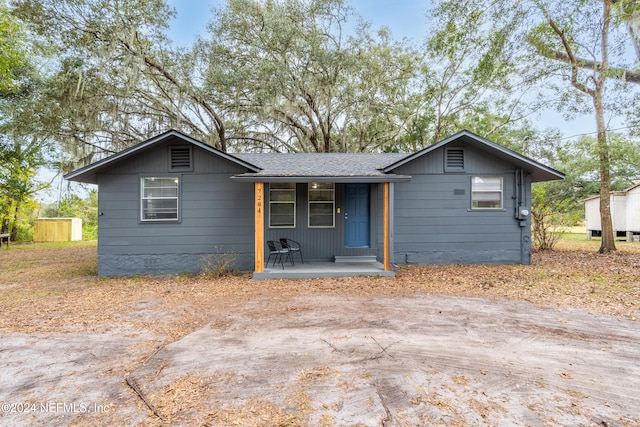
<point x="356" y="216"/>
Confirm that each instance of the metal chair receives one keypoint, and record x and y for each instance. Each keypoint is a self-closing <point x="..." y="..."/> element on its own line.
<point x="293" y="246"/>
<point x="278" y="251"/>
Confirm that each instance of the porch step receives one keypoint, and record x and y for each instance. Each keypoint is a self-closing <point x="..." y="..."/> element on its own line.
<point x="355" y="258"/>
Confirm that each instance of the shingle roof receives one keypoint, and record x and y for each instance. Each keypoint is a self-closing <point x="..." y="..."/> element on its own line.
<point x="320" y="164"/>
<point x="309" y="167"/>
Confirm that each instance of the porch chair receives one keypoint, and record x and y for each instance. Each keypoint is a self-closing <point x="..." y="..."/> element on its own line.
<point x="278" y="251"/>
<point x="293" y="246"/>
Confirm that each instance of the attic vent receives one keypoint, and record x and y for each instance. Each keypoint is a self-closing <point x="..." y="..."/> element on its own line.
<point x="180" y="158"/>
<point x="454" y="160"/>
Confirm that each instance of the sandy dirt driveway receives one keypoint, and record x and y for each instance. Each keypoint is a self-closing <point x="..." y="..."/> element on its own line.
<point x="324" y="360"/>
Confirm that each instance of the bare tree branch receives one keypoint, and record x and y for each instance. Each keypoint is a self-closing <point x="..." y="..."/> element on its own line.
<point x="621" y="74"/>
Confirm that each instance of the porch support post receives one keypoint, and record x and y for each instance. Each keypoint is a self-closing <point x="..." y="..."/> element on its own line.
<point x="387" y="254"/>
<point x="259" y="227"/>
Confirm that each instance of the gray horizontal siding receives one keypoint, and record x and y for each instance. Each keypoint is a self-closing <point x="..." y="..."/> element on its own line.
<point x="201" y="246"/>
<point x="166" y="231"/>
<point x="156" y="160"/>
<point x="475" y="162"/>
<point x="463" y="233"/>
<point x="419" y="220"/>
<point x="216" y="215"/>
<point x="457" y="245"/>
<point x="434" y="222"/>
<point x="193" y="223"/>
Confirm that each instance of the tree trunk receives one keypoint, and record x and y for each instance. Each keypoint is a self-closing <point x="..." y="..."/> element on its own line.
<point x="599" y="78"/>
<point x="6" y="221"/>
<point x="14" y="228"/>
<point x="608" y="239"/>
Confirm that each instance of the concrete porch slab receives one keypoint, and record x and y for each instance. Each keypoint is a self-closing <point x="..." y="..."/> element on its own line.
<point x="314" y="270"/>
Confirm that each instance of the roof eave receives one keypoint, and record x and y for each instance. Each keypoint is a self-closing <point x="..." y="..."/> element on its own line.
<point x="89" y="173"/>
<point x="538" y="171"/>
<point x="543" y="173"/>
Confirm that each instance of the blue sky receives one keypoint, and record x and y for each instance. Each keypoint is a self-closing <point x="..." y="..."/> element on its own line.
<point x="405" y="18"/>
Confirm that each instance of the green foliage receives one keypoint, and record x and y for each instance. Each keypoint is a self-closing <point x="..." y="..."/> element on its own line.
<point x="294" y="81"/>
<point x="12" y="50"/>
<point x="218" y="264"/>
<point x="271" y="76"/>
<point x="19" y="162"/>
<point x="73" y="206"/>
<point x="580" y="162"/>
<point x="477" y="77"/>
<point x="26" y="217"/>
<point x="112" y="79"/>
<point x="559" y="203"/>
<point x="575" y="45"/>
<point x="550" y="217"/>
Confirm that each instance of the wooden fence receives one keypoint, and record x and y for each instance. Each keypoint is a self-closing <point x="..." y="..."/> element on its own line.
<point x="57" y="229"/>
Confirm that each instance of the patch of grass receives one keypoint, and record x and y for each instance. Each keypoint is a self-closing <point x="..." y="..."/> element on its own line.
<point x="48" y="287"/>
<point x="575" y="237"/>
<point x="581" y="240"/>
<point x="36" y="246"/>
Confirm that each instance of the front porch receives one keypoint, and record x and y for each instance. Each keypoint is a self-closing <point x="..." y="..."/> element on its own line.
<point x="344" y="265"/>
<point x="313" y="270"/>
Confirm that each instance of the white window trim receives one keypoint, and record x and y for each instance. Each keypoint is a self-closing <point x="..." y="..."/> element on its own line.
<point x="295" y="208"/>
<point x="333" y="206"/>
<point x="473" y="192"/>
<point x="176" y="198"/>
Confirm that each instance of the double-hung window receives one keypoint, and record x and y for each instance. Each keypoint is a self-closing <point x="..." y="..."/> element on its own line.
<point x="486" y="192"/>
<point x="159" y="198"/>
<point x="322" y="202"/>
<point x="282" y="205"/>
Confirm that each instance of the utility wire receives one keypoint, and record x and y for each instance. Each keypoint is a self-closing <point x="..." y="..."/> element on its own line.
<point x="595" y="132"/>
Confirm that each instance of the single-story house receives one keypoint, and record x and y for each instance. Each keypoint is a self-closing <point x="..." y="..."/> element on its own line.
<point x="625" y="213"/>
<point x="167" y="201"/>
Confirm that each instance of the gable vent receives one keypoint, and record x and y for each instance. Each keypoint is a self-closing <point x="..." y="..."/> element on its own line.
<point x="454" y="159"/>
<point x="180" y="158"/>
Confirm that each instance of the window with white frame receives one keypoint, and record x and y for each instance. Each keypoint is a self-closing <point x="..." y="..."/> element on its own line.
<point x="159" y="198"/>
<point x="282" y="205"/>
<point x="322" y="202"/>
<point x="486" y="192"/>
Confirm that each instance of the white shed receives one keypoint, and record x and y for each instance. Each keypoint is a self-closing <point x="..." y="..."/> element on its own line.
<point x="625" y="213"/>
<point x="633" y="208"/>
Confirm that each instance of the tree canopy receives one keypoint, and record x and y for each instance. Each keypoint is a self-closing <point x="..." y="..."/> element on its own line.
<point x="287" y="75"/>
<point x="313" y="76"/>
<point x="12" y="50"/>
<point x="295" y="80"/>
